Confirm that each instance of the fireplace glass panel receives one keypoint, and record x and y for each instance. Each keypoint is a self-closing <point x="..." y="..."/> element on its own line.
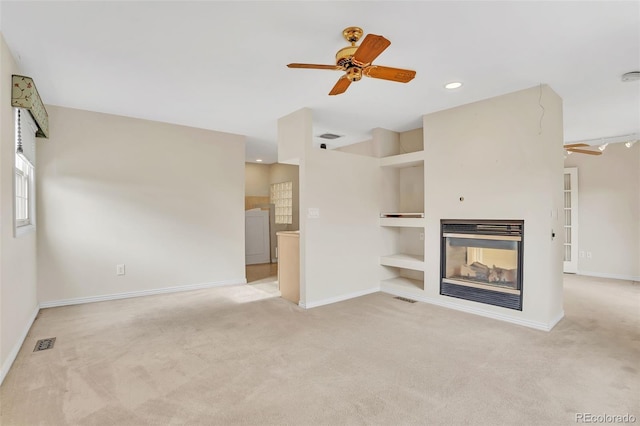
<point x="483" y="261"/>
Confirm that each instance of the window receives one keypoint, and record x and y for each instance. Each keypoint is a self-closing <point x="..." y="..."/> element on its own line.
<point x="25" y="130"/>
<point x="24" y="174"/>
<point x="282" y="198"/>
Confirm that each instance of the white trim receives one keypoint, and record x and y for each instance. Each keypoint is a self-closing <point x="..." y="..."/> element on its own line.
<point x="477" y="311"/>
<point x="6" y="365"/>
<point x="403" y="160"/>
<point x="340" y="298"/>
<point x="127" y="295"/>
<point x="556" y="320"/>
<point x="607" y="275"/>
<point x="25" y="230"/>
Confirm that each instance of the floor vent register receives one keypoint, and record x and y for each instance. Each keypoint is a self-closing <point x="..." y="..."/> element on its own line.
<point x="404" y="299"/>
<point x="44" y="344"/>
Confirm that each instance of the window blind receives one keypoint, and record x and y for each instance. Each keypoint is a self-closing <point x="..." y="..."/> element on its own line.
<point x="25" y="136"/>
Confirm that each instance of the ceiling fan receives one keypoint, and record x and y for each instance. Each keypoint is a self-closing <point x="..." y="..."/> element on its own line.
<point x="356" y="61"/>
<point x="579" y="148"/>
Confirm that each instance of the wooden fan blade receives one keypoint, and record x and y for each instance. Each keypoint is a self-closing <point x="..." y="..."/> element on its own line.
<point x="584" y="151"/>
<point x="575" y="145"/>
<point x="341" y="86"/>
<point x="372" y="46"/>
<point x="315" y="67"/>
<point x="388" y="73"/>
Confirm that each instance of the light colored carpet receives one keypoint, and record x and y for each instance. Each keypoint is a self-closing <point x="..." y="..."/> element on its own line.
<point x="235" y="355"/>
<point x="268" y="285"/>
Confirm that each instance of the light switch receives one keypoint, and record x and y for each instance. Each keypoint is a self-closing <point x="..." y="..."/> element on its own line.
<point x="313" y="213"/>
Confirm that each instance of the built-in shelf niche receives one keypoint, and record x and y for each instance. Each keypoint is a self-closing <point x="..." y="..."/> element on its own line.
<point x="402" y="212"/>
<point x="401" y="284"/>
<point x="403" y="241"/>
<point x="402" y="180"/>
<point x="414" y="262"/>
<point x="406" y="222"/>
<point x="402" y="254"/>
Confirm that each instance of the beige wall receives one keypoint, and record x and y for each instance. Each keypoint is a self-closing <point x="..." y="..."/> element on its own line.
<point x="343" y="244"/>
<point x="293" y="137"/>
<point x="18" y="299"/>
<point x="359" y="148"/>
<point x="387" y="142"/>
<point x="506" y="161"/>
<point x="411" y="141"/>
<point x="256" y="179"/>
<point x="609" y="211"/>
<point x="339" y="250"/>
<point x="167" y="201"/>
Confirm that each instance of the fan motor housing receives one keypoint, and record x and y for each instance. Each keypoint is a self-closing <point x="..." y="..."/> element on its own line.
<point x="354" y="73"/>
<point x="344" y="55"/>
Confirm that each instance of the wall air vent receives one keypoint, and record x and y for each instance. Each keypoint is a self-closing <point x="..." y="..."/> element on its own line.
<point x="329" y="136"/>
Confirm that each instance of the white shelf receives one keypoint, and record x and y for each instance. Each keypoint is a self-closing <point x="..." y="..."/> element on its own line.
<point x="403" y="160"/>
<point x="401" y="260"/>
<point x="401" y="284"/>
<point x="407" y="222"/>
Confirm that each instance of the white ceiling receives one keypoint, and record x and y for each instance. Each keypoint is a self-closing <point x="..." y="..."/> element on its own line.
<point x="221" y="65"/>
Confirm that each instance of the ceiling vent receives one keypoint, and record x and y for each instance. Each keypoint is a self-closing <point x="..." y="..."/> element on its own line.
<point x="329" y="136"/>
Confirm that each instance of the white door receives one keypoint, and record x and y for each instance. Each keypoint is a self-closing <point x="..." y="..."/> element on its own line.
<point x="256" y="237"/>
<point x="571" y="220"/>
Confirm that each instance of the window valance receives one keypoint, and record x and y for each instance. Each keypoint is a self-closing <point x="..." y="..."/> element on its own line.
<point x="24" y="95"/>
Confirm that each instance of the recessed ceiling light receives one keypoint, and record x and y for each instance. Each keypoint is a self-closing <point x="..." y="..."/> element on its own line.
<point x="259" y="160"/>
<point x="453" y="85"/>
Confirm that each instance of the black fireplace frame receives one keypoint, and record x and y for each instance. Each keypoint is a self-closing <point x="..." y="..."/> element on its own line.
<point x="483" y="227"/>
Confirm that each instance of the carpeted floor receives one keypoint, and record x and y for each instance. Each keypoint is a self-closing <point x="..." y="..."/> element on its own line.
<point x="237" y="355"/>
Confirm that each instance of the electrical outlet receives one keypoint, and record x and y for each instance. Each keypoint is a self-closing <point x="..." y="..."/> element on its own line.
<point x="589" y="256"/>
<point x="120" y="269"/>
<point x="422" y="236"/>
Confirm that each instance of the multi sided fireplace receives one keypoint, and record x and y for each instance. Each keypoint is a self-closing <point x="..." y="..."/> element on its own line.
<point x="481" y="260"/>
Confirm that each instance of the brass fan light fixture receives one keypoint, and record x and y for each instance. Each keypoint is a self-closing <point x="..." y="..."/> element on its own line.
<point x="580" y="149"/>
<point x="356" y="61"/>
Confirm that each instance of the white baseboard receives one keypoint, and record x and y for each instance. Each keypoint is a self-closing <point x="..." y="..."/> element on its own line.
<point x="611" y="276"/>
<point x="474" y="310"/>
<point x="340" y="298"/>
<point x="556" y="320"/>
<point x="91" y="299"/>
<point x="6" y="365"/>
